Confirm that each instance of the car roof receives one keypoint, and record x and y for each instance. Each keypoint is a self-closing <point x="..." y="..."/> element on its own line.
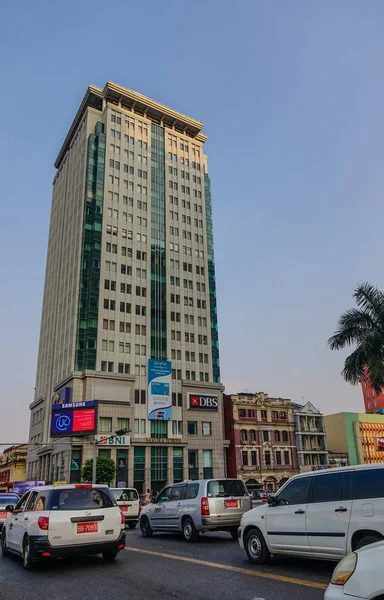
<point x="67" y="486"/>
<point x="124" y="488"/>
<point x="338" y="469"/>
<point x="204" y="480"/>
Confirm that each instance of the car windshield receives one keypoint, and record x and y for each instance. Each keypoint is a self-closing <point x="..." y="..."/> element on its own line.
<point x="223" y="488"/>
<point x="122" y="495"/>
<point x="6" y="499"/>
<point x="81" y="499"/>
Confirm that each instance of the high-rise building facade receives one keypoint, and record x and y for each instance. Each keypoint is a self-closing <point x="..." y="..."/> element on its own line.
<point x="130" y="279"/>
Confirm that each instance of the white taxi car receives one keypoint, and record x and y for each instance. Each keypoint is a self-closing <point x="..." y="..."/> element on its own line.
<point x="129" y="503"/>
<point x="56" y="521"/>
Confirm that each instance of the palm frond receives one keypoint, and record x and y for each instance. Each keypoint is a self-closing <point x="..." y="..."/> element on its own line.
<point x="352" y="326"/>
<point x="354" y="366"/>
<point x="371" y="300"/>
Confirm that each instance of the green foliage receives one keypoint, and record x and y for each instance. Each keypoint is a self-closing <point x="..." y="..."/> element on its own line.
<point x="364" y="328"/>
<point x="105" y="470"/>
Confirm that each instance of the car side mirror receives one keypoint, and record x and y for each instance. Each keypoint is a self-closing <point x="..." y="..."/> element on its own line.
<point x="10" y="508"/>
<point x="272" y="501"/>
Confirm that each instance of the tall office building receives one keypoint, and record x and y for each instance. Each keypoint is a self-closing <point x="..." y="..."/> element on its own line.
<point x="129" y="286"/>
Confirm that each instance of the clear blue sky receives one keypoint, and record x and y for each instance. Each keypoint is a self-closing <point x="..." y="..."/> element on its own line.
<point x="292" y="98"/>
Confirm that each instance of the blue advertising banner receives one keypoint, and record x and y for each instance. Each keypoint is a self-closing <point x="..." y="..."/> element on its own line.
<point x="73" y="405"/>
<point x="159" y="390"/>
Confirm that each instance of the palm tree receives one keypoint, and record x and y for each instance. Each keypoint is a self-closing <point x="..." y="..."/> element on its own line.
<point x="363" y="327"/>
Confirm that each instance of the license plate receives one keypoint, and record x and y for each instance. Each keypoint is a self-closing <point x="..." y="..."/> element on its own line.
<point x="124" y="508"/>
<point x="3" y="515"/>
<point x="87" y="527"/>
<point x="231" y="504"/>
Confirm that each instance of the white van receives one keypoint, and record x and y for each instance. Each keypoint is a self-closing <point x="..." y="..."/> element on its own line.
<point x="129" y="503"/>
<point x="323" y="514"/>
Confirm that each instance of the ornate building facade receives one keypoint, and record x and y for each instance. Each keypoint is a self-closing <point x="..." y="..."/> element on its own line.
<point x="262" y="438"/>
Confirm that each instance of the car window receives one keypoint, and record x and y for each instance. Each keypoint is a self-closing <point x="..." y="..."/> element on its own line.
<point x="327" y="488"/>
<point x="40" y="501"/>
<point x="164" y="495"/>
<point x="6" y="499"/>
<point x="296" y="492"/>
<point x="223" y="488"/>
<point x="192" y="491"/>
<point x="22" y="502"/>
<point x="125" y="495"/>
<point x="369" y="483"/>
<point x="81" y="499"/>
<point x="31" y="501"/>
<point x="176" y="493"/>
<point x="348" y="480"/>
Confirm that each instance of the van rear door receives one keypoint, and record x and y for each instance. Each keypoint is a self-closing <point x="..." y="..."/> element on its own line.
<point x="82" y="515"/>
<point x="228" y="498"/>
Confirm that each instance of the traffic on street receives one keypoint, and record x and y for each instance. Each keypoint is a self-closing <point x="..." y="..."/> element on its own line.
<point x="165" y="566"/>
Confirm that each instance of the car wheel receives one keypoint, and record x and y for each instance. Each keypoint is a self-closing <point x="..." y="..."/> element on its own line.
<point x="146" y="529"/>
<point x="132" y="525"/>
<point x="368" y="539"/>
<point x="256" y="548"/>
<point x="109" y="555"/>
<point x="190" y="532"/>
<point x="26" y="555"/>
<point x="233" y="533"/>
<point x="4" y="547"/>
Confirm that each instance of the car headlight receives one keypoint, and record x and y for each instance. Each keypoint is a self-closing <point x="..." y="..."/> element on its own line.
<point x="345" y="569"/>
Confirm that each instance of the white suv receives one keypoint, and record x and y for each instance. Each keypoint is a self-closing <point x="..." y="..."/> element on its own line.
<point x="56" y="521"/>
<point x="323" y="514"/>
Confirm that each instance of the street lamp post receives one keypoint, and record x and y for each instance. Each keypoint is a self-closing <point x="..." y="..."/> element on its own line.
<point x="95" y="443"/>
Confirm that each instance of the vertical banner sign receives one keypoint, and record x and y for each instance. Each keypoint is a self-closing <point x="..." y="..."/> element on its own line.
<point x="159" y="390"/>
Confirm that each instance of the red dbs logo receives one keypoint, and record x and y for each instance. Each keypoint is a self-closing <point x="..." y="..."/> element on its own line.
<point x="194" y="401"/>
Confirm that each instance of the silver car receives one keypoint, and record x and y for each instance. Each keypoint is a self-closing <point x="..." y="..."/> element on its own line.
<point x="196" y="506"/>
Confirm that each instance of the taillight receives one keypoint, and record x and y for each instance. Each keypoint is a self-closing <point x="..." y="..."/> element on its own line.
<point x="43" y="523"/>
<point x="205" y="507"/>
<point x="122" y="517"/>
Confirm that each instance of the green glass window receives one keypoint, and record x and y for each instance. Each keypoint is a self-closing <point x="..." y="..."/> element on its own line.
<point x="178" y="465"/>
<point x="159" y="429"/>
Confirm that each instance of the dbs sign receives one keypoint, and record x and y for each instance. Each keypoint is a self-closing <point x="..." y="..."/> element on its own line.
<point x="202" y="402"/>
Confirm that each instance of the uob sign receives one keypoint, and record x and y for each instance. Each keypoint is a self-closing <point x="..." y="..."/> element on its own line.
<point x="203" y="402"/>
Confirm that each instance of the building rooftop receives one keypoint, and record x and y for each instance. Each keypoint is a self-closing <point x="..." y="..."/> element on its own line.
<point x="133" y="101"/>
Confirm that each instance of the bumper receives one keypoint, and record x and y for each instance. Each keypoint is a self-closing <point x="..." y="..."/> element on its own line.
<point x="132" y="519"/>
<point x="40" y="544"/>
<point x="336" y="592"/>
<point x="219" y="523"/>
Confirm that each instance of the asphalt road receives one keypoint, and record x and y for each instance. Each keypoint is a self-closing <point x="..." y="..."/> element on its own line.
<point x="166" y="567"/>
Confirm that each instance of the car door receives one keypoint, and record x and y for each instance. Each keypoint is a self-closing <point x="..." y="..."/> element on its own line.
<point x="329" y="512"/>
<point x="173" y="508"/>
<point x="285" y="521"/>
<point x="157" y="510"/>
<point x="14" y="522"/>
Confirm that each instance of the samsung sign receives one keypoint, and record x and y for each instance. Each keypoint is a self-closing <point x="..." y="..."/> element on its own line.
<point x="202" y="402"/>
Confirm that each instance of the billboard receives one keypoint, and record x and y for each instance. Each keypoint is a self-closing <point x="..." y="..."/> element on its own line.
<point x="159" y="390"/>
<point x="202" y="402"/>
<point x="74" y="421"/>
<point x="62" y="397"/>
<point x="20" y="487"/>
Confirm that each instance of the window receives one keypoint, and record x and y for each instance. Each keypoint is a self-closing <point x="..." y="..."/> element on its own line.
<point x="207" y="464"/>
<point x="284" y="435"/>
<point x="278" y="457"/>
<point x="251" y="413"/>
<point x="252" y="436"/>
<point x="296" y="492"/>
<point x="243" y="436"/>
<point x="253" y="458"/>
<point x="192" y="427"/>
<point x="193" y="464"/>
<point x="267" y="457"/>
<point x="264" y="414"/>
<point x="105" y="424"/>
<point x="275" y="414"/>
<point x="244" y="458"/>
<point x="369" y="484"/>
<point x="277" y="437"/>
<point x="266" y="436"/>
<point x="327" y="488"/>
<point x="192" y="491"/>
<point x="207" y="428"/>
<point x="286" y="457"/>
<point x="122" y="423"/>
<point x="241" y="413"/>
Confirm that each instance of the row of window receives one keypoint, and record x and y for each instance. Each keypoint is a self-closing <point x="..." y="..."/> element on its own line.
<point x="189" y="356"/>
<point x="117" y="116"/>
<point x="37" y="416"/>
<point x="115" y="164"/>
<point x="115" y="149"/>
<point x="109" y="366"/>
<point x="128" y="185"/>
<point x="187" y="235"/>
<point x="187" y="283"/>
<point x="187" y="205"/>
<point x="280" y="415"/>
<point x="128" y="217"/>
<point x="173" y="185"/>
<point x="127" y="201"/>
<point x="188" y="301"/>
<point x="250" y="458"/>
<point x="140" y="255"/>
<point x="128" y="139"/>
<point x="184" y="175"/>
<point x="187" y="251"/>
<point x="173" y="141"/>
<point x="251" y="436"/>
<point x="190" y="375"/>
<point x="126" y="234"/>
<point x="124" y="347"/>
<point x="184" y="161"/>
<point x="174" y="216"/>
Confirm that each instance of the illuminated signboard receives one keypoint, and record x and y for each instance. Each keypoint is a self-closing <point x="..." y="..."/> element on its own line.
<point x="202" y="402"/>
<point x="76" y="420"/>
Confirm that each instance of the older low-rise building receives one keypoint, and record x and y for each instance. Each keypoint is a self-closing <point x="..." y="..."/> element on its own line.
<point x="311" y="439"/>
<point x="262" y="448"/>
<point x="13" y="466"/>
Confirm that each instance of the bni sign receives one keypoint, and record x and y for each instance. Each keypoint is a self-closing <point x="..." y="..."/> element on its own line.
<point x="159" y="390"/>
<point x="117" y="440"/>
